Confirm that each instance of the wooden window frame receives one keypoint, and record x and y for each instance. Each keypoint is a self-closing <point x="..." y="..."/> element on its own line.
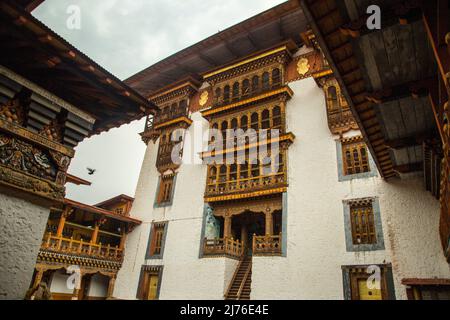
<point x="351" y="236"/>
<point x="343" y="167"/>
<point x="352" y="274"/>
<point x="156" y="240"/>
<point x="355" y="164"/>
<point x="165" y="190"/>
<point x="363" y="224"/>
<point x="144" y="277"/>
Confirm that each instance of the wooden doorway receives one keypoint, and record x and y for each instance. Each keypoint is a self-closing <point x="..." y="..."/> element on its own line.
<point x="149" y="283"/>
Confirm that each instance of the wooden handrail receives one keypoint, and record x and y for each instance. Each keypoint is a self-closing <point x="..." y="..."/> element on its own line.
<point x="56" y="243"/>
<point x="244" y="280"/>
<point x="223" y="246"/>
<point x="234" y="275"/>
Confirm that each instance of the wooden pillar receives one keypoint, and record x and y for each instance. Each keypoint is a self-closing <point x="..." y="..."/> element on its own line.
<point x="123" y="240"/>
<point x="111" y="284"/>
<point x="269" y="224"/>
<point x="227" y="227"/>
<point x="95" y="233"/>
<point x="38" y="277"/>
<point x="62" y="221"/>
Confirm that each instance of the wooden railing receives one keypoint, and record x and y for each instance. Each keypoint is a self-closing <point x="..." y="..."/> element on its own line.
<point x="267" y="245"/>
<point x="164" y="116"/>
<point x="223" y="246"/>
<point x="252" y="183"/>
<point x="79" y="247"/>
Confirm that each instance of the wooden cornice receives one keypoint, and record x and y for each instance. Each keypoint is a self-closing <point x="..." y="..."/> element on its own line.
<point x="183" y="119"/>
<point x="270" y="94"/>
<point x="287" y="137"/>
<point x="245" y="195"/>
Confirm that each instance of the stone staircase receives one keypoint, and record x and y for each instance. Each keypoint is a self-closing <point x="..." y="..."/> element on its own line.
<point x="241" y="283"/>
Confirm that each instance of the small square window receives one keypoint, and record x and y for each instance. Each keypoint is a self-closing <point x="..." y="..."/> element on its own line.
<point x="363" y="226"/>
<point x="356" y="159"/>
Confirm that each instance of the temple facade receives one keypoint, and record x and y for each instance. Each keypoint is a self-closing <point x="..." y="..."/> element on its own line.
<point x="308" y="217"/>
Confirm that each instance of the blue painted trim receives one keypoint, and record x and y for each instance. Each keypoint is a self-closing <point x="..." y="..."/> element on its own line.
<point x="284" y="217"/>
<point x="340" y="163"/>
<point x="172" y="195"/>
<point x="346" y="283"/>
<point x="202" y="234"/>
<point x="350" y="246"/>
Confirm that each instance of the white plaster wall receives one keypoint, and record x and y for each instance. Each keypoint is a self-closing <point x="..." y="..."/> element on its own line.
<point x="98" y="286"/>
<point x="315" y="225"/>
<point x="185" y="276"/>
<point x="22" y="225"/>
<point x="59" y="282"/>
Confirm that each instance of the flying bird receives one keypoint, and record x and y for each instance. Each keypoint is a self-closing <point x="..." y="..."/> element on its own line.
<point x="91" y="171"/>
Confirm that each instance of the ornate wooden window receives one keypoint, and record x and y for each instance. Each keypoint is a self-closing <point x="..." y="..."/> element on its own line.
<point x="276" y="117"/>
<point x="266" y="81"/>
<point x="255" y="84"/>
<point x="236" y="91"/>
<point x="226" y="94"/>
<point x="156" y="240"/>
<point x="363" y="225"/>
<point x="276" y="77"/>
<point x="355" y="156"/>
<point x="246" y="88"/>
<point x="332" y="98"/>
<point x="165" y="190"/>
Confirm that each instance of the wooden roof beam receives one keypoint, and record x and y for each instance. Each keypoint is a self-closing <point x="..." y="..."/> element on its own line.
<point x="414" y="89"/>
<point x="406" y="142"/>
<point x="407" y="168"/>
<point x="404" y="12"/>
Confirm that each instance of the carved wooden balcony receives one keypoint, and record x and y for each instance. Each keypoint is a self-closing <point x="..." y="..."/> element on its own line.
<point x="251" y="184"/>
<point x="222" y="247"/>
<point x="267" y="245"/>
<point x="70" y="246"/>
<point x="164" y="116"/>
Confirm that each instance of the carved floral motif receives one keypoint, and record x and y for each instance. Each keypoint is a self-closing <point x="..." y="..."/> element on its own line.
<point x="22" y="156"/>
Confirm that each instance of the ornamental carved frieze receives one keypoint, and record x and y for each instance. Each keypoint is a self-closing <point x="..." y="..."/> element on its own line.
<point x="12" y="112"/>
<point x="263" y="205"/>
<point x="22" y="156"/>
<point x="32" y="168"/>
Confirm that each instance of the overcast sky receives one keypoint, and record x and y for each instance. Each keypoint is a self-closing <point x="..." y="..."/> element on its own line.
<point x="126" y="36"/>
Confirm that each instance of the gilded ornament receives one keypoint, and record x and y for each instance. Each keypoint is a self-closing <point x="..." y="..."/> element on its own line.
<point x="302" y="66"/>
<point x="203" y="98"/>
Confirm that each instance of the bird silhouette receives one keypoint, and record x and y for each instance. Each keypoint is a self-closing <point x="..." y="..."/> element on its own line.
<point x="91" y="171"/>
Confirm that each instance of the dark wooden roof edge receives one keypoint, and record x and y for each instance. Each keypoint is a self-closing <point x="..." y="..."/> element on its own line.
<point x="193" y="80"/>
<point x="290" y="44"/>
<point x="80" y="56"/>
<point x="100" y="211"/>
<point x="328" y="56"/>
<point x="30" y="5"/>
<point x="114" y="199"/>
<point x="76" y="180"/>
<point x="285" y="8"/>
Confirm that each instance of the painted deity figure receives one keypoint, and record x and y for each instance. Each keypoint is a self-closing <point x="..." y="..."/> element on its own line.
<point x="212" y="228"/>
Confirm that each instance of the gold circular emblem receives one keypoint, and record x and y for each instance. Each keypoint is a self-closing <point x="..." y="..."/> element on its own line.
<point x="302" y="66"/>
<point x="203" y="98"/>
